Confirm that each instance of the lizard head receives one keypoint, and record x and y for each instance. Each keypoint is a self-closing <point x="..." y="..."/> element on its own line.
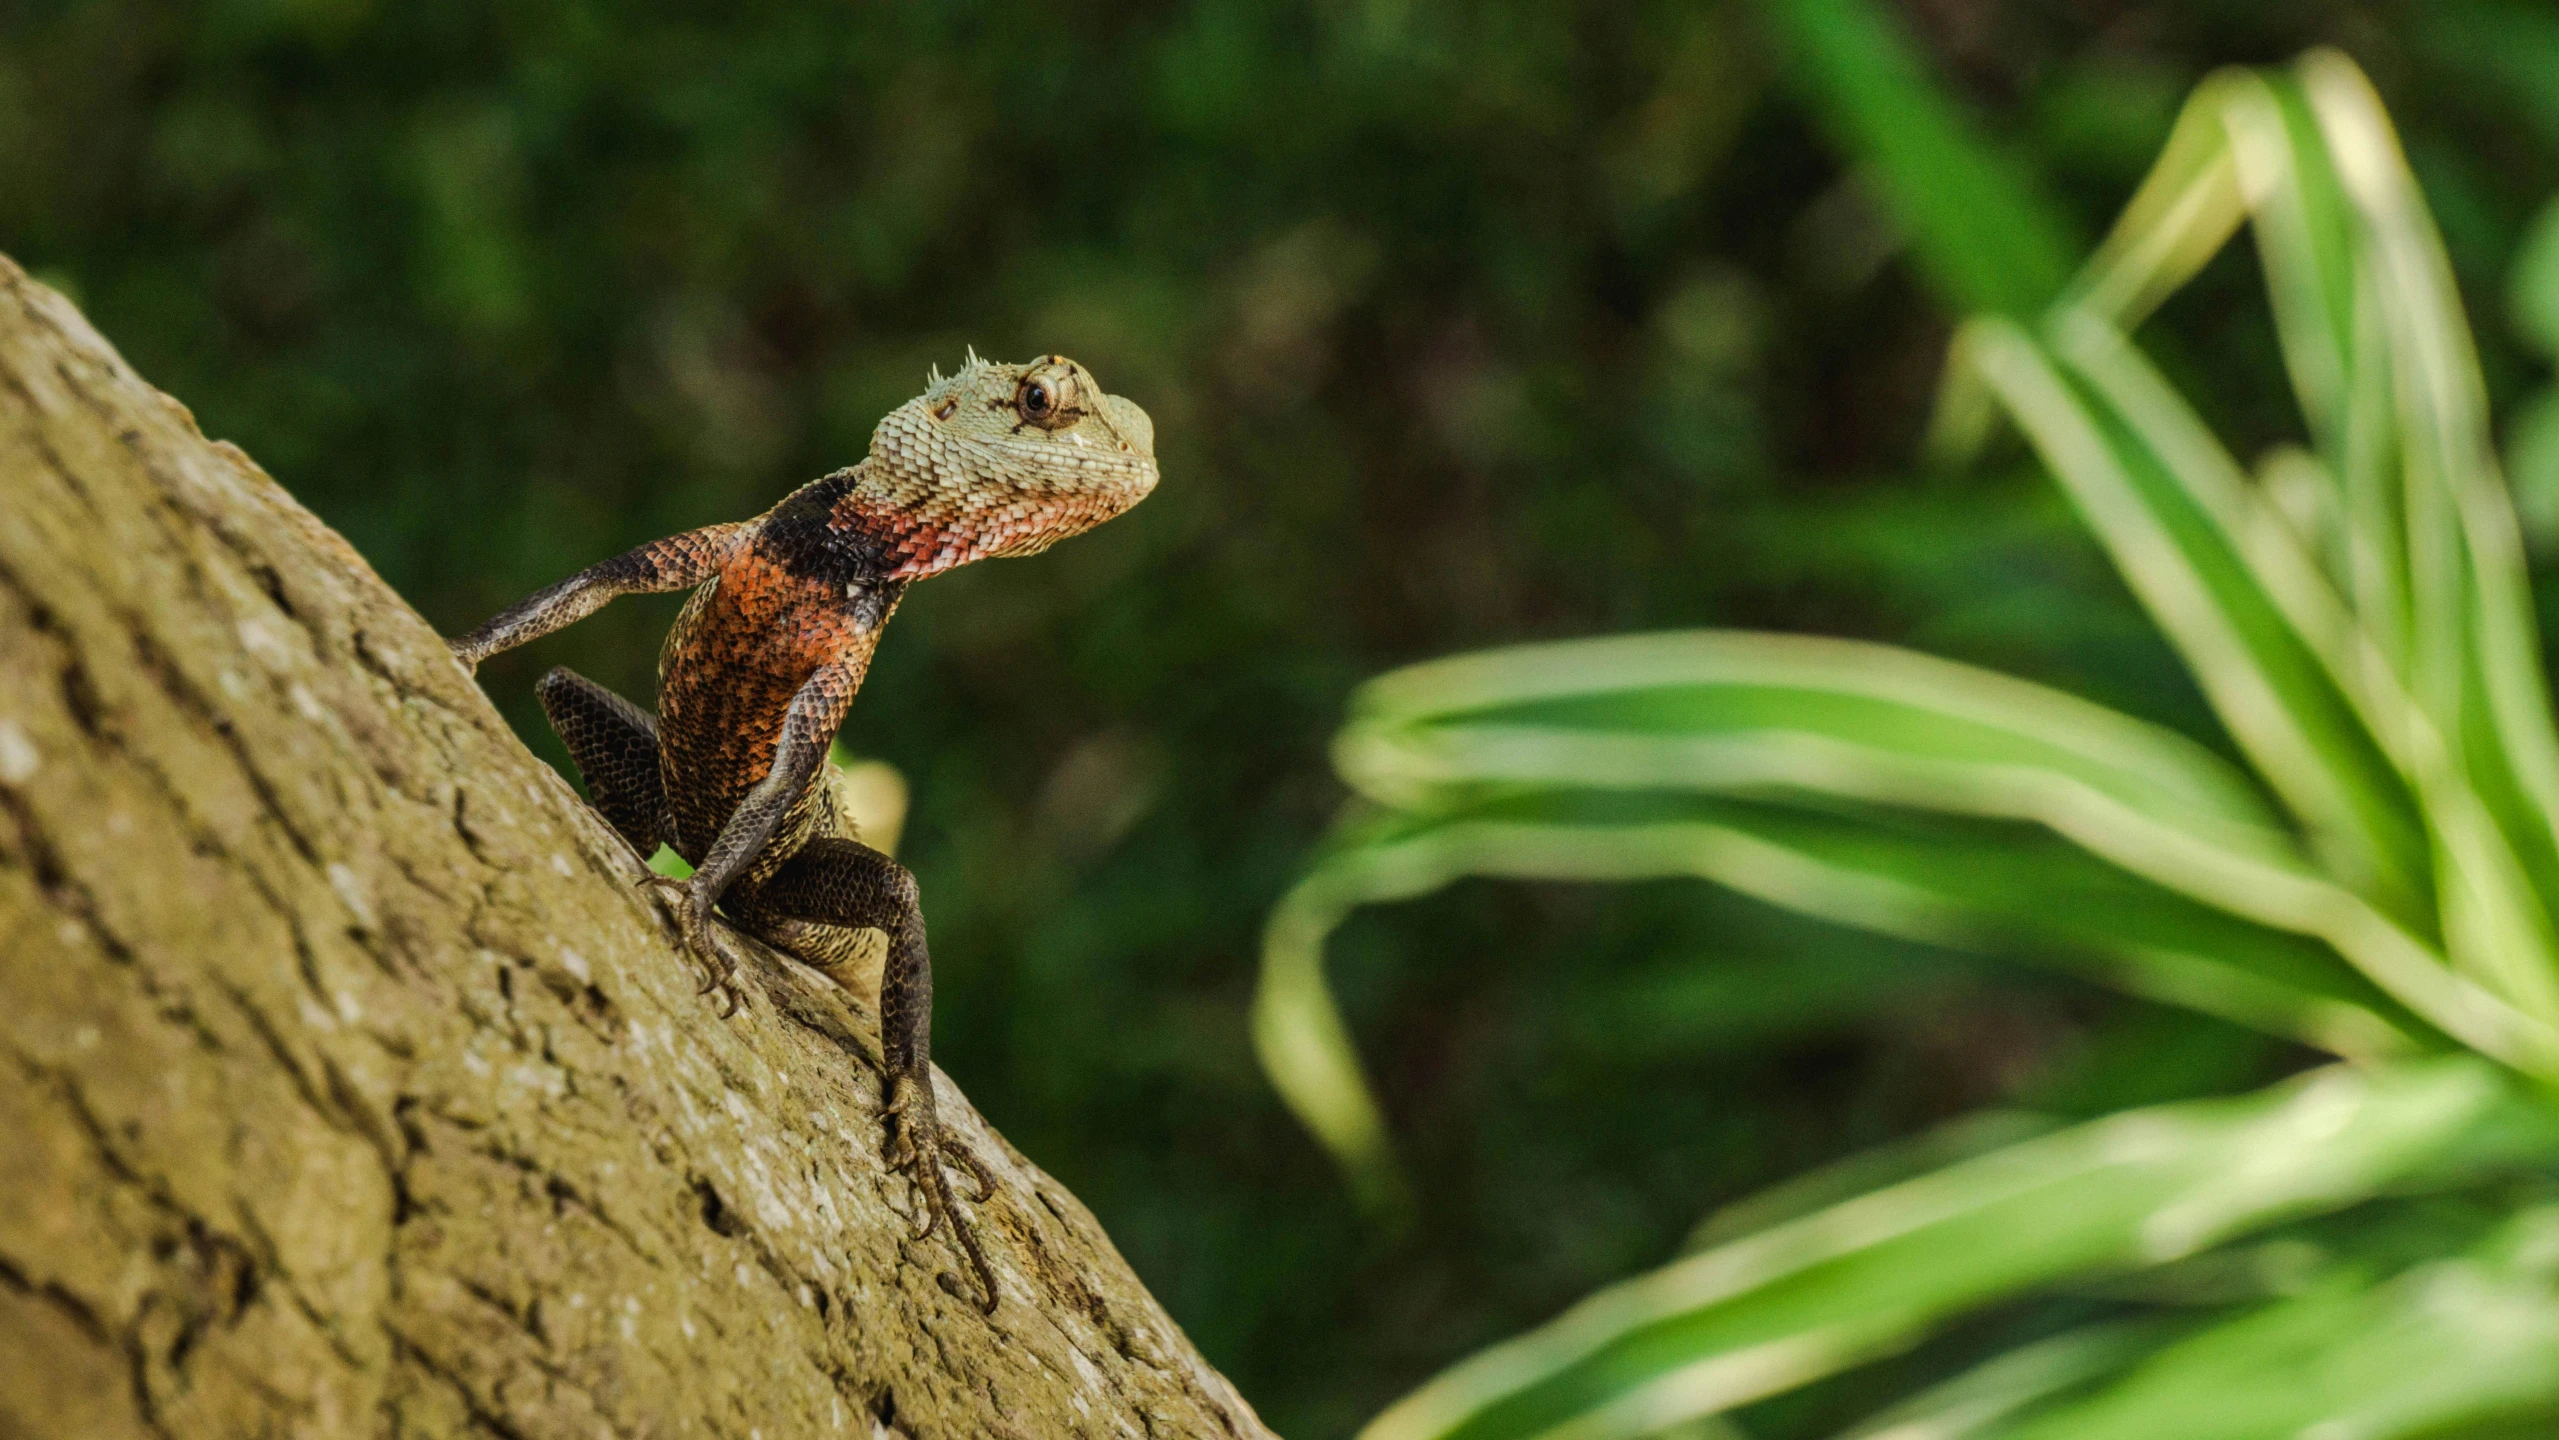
<point x="996" y="461"/>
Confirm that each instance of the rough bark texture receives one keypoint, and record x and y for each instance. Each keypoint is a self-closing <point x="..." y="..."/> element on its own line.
<point x="347" y="1085"/>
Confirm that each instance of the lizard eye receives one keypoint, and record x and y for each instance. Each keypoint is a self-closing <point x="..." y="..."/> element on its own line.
<point x="1047" y="397"/>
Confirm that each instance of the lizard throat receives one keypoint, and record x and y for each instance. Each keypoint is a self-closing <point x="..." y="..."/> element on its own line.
<point x="913" y="543"/>
<point x="918" y="539"/>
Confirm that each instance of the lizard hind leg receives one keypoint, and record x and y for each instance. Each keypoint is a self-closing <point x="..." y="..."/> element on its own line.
<point x="835" y="881"/>
<point x="615" y="745"/>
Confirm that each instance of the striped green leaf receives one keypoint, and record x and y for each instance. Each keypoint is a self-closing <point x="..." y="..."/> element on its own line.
<point x="1583" y="760"/>
<point x="2356" y="610"/>
<point x="2307" y="692"/>
<point x="1981" y="1400"/>
<point x="2468" y="1340"/>
<point x="1876" y="1274"/>
<point x="2476" y="654"/>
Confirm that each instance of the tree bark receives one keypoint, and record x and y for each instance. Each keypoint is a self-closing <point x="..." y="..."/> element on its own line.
<point x="348" y="1086"/>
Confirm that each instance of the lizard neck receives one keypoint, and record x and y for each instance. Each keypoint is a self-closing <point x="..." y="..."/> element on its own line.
<point x="808" y="538"/>
<point x="921" y="519"/>
<point x="909" y="541"/>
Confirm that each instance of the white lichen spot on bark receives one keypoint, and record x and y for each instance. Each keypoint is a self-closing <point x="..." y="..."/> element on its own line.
<point x="19" y="760"/>
<point x="265" y="642"/>
<point x="351" y="889"/>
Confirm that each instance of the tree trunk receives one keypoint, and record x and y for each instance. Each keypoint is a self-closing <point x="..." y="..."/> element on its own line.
<point x="348" y="1087"/>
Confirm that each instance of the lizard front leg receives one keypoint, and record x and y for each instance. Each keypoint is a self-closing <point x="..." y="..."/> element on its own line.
<point x="808" y="727"/>
<point x="845" y="882"/>
<point x="677" y="562"/>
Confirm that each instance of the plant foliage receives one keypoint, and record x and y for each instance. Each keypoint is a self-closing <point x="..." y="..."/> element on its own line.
<point x="2379" y="880"/>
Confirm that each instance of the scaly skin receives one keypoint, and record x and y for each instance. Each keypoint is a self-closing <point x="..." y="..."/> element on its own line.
<point x="996" y="461"/>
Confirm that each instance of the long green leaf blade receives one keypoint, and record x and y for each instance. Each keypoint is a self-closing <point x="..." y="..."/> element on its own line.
<point x="2477" y="659"/>
<point x="1981" y="228"/>
<point x="2248" y="147"/>
<point x="1821" y="723"/>
<point x="1686" y="709"/>
<point x="2468" y="1340"/>
<point x="2264" y="679"/>
<point x="2187" y="208"/>
<point x="1874" y="1275"/>
<point x="1981" y="1399"/>
<point x="1991" y="888"/>
<point x="2493" y="920"/>
<point x="1830" y="720"/>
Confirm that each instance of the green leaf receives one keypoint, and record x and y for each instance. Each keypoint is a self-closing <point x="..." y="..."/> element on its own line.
<point x="2357" y="612"/>
<point x="1878" y="1273"/>
<point x="1571" y="760"/>
<point x="1870" y="1169"/>
<point x="2187" y="208"/>
<point x="2476" y="654"/>
<point x="1734" y="710"/>
<point x="1863" y="721"/>
<point x="1981" y="228"/>
<point x="2462" y="1341"/>
<point x="2160" y="496"/>
<point x="2248" y="147"/>
<point x="2440" y="626"/>
<point x="2312" y="700"/>
<point x="1999" y="889"/>
<point x="1826" y="720"/>
<point x="1981" y="1398"/>
<point x="2493" y="919"/>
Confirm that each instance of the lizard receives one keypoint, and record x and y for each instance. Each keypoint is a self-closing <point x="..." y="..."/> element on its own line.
<point x="761" y="665"/>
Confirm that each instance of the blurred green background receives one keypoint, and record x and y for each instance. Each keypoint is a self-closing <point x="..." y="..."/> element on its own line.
<point x="1459" y="325"/>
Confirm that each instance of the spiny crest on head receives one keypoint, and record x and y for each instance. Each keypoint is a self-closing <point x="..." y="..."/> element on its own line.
<point x="933" y="378"/>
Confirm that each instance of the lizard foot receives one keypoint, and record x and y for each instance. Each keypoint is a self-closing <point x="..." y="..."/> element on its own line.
<point x="919" y="1148"/>
<point x="699" y="937"/>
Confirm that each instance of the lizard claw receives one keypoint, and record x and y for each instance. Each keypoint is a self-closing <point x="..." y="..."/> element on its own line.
<point x="699" y="937"/>
<point x="963" y="1158"/>
<point x="919" y="1147"/>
